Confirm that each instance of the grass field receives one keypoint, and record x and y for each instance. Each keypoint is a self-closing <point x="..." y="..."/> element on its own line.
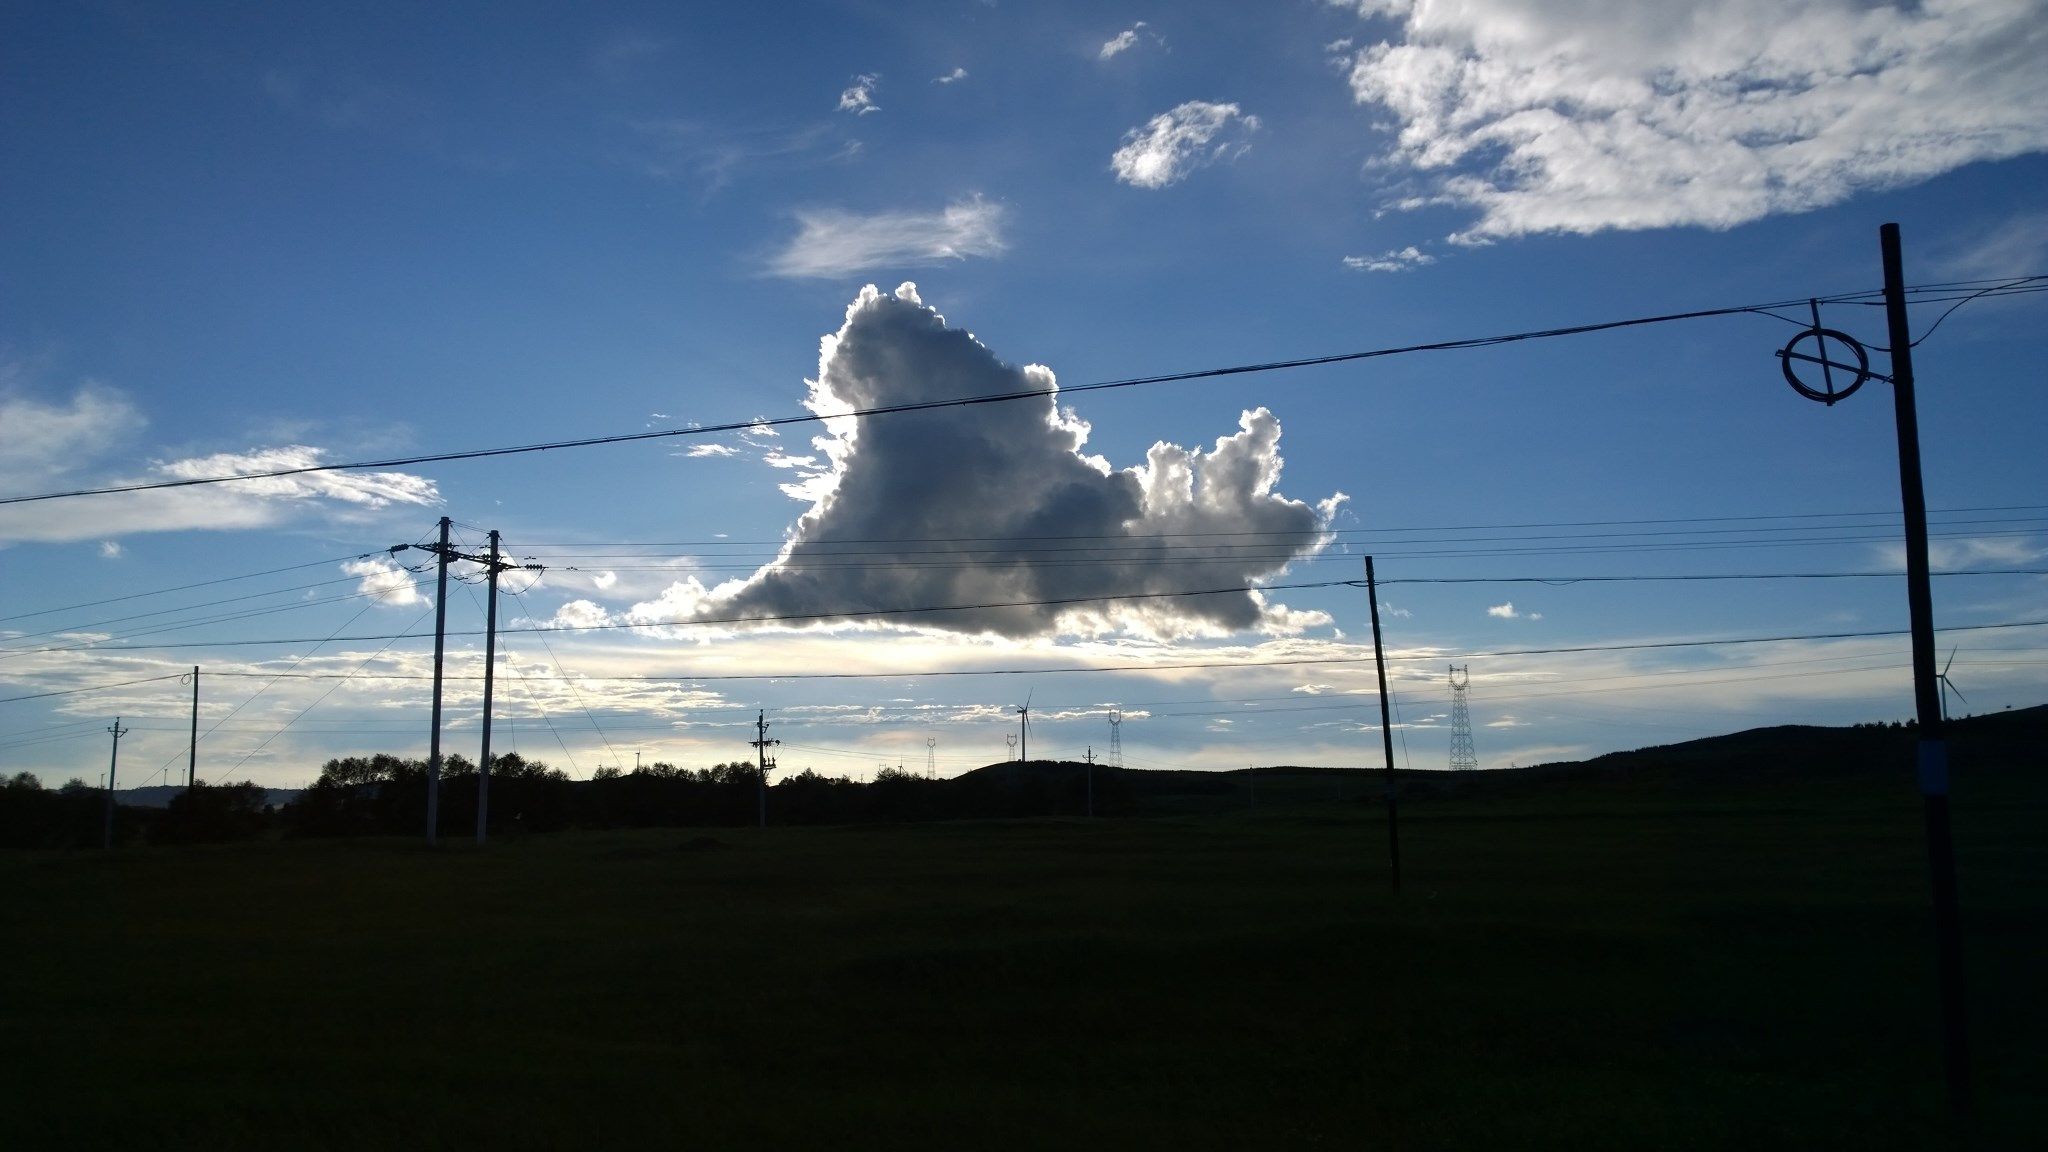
<point x="1735" y="968"/>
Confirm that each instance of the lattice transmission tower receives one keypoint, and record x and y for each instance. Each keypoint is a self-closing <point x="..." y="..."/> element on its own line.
<point x="1463" y="758"/>
<point x="1116" y="738"/>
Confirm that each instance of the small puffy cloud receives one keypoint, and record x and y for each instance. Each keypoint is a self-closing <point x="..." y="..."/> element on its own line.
<point x="1393" y="260"/>
<point x="110" y="549"/>
<point x="859" y="98"/>
<point x="604" y="580"/>
<point x="1128" y="39"/>
<point x="1172" y="144"/>
<point x="579" y="614"/>
<point x="999" y="485"/>
<point x="1387" y="609"/>
<point x="1551" y="117"/>
<point x="834" y="242"/>
<point x="1504" y="611"/>
<point x="703" y="451"/>
<point x="385" y="582"/>
<point x="953" y="77"/>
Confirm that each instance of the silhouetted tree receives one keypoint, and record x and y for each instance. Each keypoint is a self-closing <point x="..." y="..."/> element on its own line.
<point x="211" y="814"/>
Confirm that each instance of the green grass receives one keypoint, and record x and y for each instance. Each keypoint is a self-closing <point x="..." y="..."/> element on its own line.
<point x="1579" y="969"/>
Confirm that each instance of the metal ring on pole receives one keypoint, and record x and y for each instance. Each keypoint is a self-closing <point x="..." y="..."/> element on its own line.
<point x="1827" y="393"/>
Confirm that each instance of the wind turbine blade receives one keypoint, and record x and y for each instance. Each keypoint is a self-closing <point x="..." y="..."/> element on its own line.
<point x="1951" y="663"/>
<point x="1027" y="698"/>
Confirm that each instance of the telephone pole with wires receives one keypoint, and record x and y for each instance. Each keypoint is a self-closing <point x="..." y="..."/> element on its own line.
<point x="1379" y="659"/>
<point x="493" y="565"/>
<point x="113" y="761"/>
<point x="762" y="760"/>
<point x="192" y="750"/>
<point x="1835" y="352"/>
<point x="444" y="553"/>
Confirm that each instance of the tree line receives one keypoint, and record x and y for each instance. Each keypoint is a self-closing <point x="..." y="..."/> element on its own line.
<point x="384" y="795"/>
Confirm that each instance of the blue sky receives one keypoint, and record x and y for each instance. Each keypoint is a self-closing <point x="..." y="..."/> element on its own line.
<point x="241" y="237"/>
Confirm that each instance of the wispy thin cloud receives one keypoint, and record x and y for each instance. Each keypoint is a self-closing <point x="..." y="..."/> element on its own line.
<point x="953" y="77"/>
<point x="836" y="242"/>
<point x="1393" y="260"/>
<point x="859" y="97"/>
<point x="1128" y="39"/>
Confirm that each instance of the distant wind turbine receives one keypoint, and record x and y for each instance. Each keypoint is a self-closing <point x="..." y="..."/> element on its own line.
<point x="1948" y="686"/>
<point x="1024" y="728"/>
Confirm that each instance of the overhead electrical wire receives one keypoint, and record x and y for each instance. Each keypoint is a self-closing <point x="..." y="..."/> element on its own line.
<point x="317" y="701"/>
<point x="1146" y="543"/>
<point x="993" y="398"/>
<point x="94" y="625"/>
<point x="189" y="587"/>
<point x="1891" y="513"/>
<point x="573" y="690"/>
<point x="90" y="688"/>
<point x="373" y="596"/>
<point x="803" y="617"/>
<point x="1169" y="666"/>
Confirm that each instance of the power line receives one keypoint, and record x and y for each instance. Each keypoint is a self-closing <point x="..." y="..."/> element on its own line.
<point x="847" y="614"/>
<point x="1166" y="666"/>
<point x="1150" y="542"/>
<point x="317" y="701"/>
<point x="187" y="587"/>
<point x="1891" y="513"/>
<point x="90" y="688"/>
<point x="11" y="653"/>
<point x="956" y="402"/>
<point x="571" y="682"/>
<point x="617" y="625"/>
<point x="93" y="625"/>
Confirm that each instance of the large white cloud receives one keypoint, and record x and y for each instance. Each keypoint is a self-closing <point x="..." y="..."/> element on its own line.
<point x="1574" y="116"/>
<point x="996" y="503"/>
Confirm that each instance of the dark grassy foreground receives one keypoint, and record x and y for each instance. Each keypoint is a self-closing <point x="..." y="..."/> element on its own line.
<point x="1747" y="966"/>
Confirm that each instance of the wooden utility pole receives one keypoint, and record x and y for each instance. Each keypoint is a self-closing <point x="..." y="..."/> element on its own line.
<point x="1941" y="857"/>
<point x="192" y="752"/>
<point x="483" y="764"/>
<point x="493" y="566"/>
<point x="1379" y="659"/>
<point x="107" y="839"/>
<point x="440" y="644"/>
<point x="762" y="763"/>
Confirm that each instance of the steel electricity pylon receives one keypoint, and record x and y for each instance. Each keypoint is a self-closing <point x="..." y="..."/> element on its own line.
<point x="1463" y="758"/>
